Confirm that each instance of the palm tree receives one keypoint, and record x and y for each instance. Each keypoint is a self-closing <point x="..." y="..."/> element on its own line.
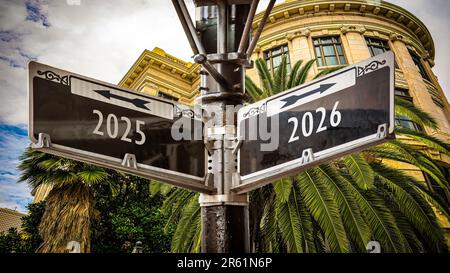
<point x="339" y="206"/>
<point x="69" y="207"/>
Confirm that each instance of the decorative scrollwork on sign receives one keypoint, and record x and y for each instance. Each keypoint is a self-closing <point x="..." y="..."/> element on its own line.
<point x="52" y="76"/>
<point x="255" y="111"/>
<point x="187" y="113"/>
<point x="370" y="67"/>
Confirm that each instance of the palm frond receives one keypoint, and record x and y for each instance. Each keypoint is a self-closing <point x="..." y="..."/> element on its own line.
<point x="378" y="217"/>
<point x="407" y="236"/>
<point x="293" y="75"/>
<point x="354" y="223"/>
<point x="156" y="187"/>
<point x="303" y="72"/>
<point x="279" y="78"/>
<point x="306" y="222"/>
<point x="283" y="189"/>
<point x="322" y="207"/>
<point x="254" y="91"/>
<point x="428" y="140"/>
<point x="359" y="170"/>
<point x="186" y="227"/>
<point x="288" y="218"/>
<point x="415" y="211"/>
<point x="93" y="175"/>
<point x="406" y="108"/>
<point x="433" y="200"/>
<point x="412" y="156"/>
<point x="268" y="225"/>
<point x="174" y="205"/>
<point x="265" y="76"/>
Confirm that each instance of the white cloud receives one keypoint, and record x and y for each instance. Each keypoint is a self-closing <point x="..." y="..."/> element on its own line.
<point x="103" y="39"/>
<point x="97" y="39"/>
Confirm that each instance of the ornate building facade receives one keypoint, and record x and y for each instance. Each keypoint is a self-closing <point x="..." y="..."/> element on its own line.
<point x="157" y="73"/>
<point x="334" y="33"/>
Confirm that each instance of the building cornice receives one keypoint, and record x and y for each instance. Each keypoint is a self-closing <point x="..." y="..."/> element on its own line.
<point x="296" y="9"/>
<point x="162" y="61"/>
<point x="360" y="29"/>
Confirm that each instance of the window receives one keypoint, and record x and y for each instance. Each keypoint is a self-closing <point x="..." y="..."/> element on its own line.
<point x="406" y="122"/>
<point x="419" y="66"/>
<point x="377" y="46"/>
<point x="401" y="120"/>
<point x="403" y="93"/>
<point x="274" y="57"/>
<point x="166" y="96"/>
<point x="329" y="51"/>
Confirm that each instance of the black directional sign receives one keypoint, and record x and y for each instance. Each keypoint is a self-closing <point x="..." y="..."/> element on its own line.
<point x="92" y="121"/>
<point x="338" y="114"/>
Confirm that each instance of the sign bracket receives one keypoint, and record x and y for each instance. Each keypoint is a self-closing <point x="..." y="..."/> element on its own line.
<point x="307" y="156"/>
<point x="129" y="160"/>
<point x="238" y="142"/>
<point x="382" y="131"/>
<point x="44" y="141"/>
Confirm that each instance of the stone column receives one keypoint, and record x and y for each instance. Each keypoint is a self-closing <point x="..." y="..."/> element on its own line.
<point x="417" y="87"/>
<point x="355" y="43"/>
<point x="429" y="63"/>
<point x="301" y="49"/>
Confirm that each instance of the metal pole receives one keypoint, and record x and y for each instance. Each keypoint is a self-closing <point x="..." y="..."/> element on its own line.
<point x="255" y="39"/>
<point x="189" y="29"/>
<point x="225" y="215"/>
<point x="225" y="220"/>
<point x="248" y="26"/>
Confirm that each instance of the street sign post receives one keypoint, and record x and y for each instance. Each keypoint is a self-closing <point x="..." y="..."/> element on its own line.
<point x="88" y="120"/>
<point x="211" y="152"/>
<point x="336" y="115"/>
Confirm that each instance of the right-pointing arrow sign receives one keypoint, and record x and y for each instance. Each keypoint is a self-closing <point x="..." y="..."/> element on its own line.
<point x="312" y="91"/>
<point x="294" y="98"/>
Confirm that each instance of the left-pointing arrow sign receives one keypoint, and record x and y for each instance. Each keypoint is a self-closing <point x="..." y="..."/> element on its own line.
<point x="136" y="101"/>
<point x="110" y="126"/>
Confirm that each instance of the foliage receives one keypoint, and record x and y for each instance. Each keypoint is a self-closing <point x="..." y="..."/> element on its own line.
<point x="12" y="242"/>
<point x="132" y="214"/>
<point x="69" y="207"/>
<point x="28" y="239"/>
<point x="339" y="206"/>
<point x="102" y="209"/>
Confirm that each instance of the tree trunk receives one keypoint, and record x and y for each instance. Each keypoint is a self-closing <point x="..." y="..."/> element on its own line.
<point x="67" y="218"/>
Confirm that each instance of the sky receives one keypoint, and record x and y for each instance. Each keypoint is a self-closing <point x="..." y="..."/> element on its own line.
<point x="102" y="39"/>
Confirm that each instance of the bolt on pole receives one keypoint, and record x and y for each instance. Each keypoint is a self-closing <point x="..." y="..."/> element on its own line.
<point x="221" y="43"/>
